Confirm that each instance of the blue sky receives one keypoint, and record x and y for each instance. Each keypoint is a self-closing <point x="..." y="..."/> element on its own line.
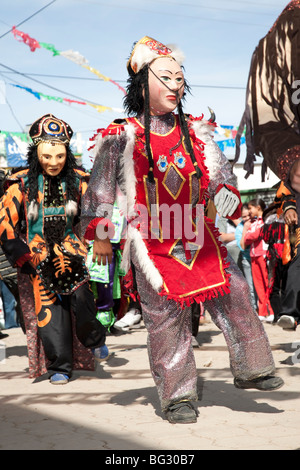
<point x="217" y="38"/>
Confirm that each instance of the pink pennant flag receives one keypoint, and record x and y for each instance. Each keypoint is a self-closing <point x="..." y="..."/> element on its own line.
<point x="31" y="42"/>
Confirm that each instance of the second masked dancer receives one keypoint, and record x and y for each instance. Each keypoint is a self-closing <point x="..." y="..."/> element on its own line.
<point x="39" y="213"/>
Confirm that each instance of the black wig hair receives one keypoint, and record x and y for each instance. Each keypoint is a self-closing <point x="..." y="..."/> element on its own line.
<point x="136" y="102"/>
<point x="35" y="169"/>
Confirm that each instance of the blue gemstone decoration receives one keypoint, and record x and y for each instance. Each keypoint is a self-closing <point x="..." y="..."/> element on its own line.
<point x="179" y="160"/>
<point x="53" y="126"/>
<point x="162" y="163"/>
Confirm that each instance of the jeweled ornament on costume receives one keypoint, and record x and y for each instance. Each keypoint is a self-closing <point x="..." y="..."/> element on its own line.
<point x="54" y="127"/>
<point x="179" y="160"/>
<point x="49" y="128"/>
<point x="162" y="163"/>
<point x="157" y="47"/>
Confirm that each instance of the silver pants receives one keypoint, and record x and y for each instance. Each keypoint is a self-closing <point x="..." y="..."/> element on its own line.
<point x="170" y="350"/>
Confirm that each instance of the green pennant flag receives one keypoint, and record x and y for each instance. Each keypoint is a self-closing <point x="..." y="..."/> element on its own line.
<point x="50" y="47"/>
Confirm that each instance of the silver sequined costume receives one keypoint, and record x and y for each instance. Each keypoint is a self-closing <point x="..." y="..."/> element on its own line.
<point x="168" y="324"/>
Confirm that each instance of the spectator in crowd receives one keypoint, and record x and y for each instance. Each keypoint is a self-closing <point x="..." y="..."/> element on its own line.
<point x="245" y="254"/>
<point x="258" y="251"/>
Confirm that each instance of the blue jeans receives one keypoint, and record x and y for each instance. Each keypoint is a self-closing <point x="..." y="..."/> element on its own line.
<point x="9" y="306"/>
<point x="246" y="267"/>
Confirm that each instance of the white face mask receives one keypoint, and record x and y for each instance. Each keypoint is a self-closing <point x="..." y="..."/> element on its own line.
<point x="52" y="157"/>
<point x="166" y="85"/>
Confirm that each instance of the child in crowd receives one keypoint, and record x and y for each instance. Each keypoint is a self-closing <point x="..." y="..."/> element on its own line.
<point x="258" y="250"/>
<point x="245" y="254"/>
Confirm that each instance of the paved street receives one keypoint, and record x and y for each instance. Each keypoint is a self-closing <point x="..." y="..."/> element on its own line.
<point x="116" y="407"/>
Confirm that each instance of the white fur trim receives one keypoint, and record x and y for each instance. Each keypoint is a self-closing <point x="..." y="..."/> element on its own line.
<point x="219" y="167"/>
<point x="151" y="272"/>
<point x="204" y="131"/>
<point x="177" y="53"/>
<point x="143" y="55"/>
<point x="133" y="235"/>
<point x="71" y="208"/>
<point x="134" y="238"/>
<point x="33" y="211"/>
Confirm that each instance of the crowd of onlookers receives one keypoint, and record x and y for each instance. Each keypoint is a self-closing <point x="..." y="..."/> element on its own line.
<point x="249" y="240"/>
<point x="256" y="245"/>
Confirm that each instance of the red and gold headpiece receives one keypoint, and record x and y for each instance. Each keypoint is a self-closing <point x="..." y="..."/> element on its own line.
<point x="148" y="49"/>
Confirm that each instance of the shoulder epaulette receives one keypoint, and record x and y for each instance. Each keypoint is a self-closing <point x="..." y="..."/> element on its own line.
<point x="15" y="178"/>
<point x="119" y="122"/>
<point x="115" y="128"/>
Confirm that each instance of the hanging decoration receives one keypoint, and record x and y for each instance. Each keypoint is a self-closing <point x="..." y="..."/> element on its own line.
<point x="42" y="96"/>
<point x="225" y="136"/>
<point x="74" y="56"/>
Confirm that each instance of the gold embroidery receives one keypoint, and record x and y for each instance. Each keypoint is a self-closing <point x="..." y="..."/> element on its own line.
<point x="190" y="265"/>
<point x="173" y="167"/>
<point x="158" y="235"/>
<point x="208" y="287"/>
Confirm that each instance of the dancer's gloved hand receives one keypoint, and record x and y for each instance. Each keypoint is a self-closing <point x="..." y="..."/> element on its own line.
<point x="226" y="202"/>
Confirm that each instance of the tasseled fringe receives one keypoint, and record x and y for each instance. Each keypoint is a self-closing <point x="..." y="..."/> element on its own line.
<point x="71" y="208"/>
<point x="200" y="298"/>
<point x="210" y="293"/>
<point x="33" y="211"/>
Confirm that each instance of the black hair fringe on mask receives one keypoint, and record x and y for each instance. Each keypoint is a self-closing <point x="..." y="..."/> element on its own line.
<point x="136" y="102"/>
<point x="35" y="169"/>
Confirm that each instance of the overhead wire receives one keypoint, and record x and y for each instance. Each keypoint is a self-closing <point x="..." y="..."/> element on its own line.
<point x="82" y="111"/>
<point x="45" y="84"/>
<point x="70" y="77"/>
<point x="7" y="32"/>
<point x="30" y="76"/>
<point x="11" y="109"/>
<point x="173" y="13"/>
<point x="218" y="8"/>
<point x="29" y="17"/>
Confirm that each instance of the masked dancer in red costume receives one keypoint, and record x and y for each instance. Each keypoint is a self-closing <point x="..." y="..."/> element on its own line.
<point x="39" y="213"/>
<point x="272" y="123"/>
<point x="164" y="160"/>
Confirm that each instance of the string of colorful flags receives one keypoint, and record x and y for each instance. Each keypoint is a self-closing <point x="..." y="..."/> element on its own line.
<point x="225" y="137"/>
<point x="42" y="96"/>
<point x="74" y="56"/>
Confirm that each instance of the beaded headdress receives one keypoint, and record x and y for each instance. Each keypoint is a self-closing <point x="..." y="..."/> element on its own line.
<point x="147" y="49"/>
<point x="49" y="128"/>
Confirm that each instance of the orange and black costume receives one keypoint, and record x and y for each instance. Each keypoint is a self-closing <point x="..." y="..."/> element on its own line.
<point x="287" y="198"/>
<point x="47" y="250"/>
